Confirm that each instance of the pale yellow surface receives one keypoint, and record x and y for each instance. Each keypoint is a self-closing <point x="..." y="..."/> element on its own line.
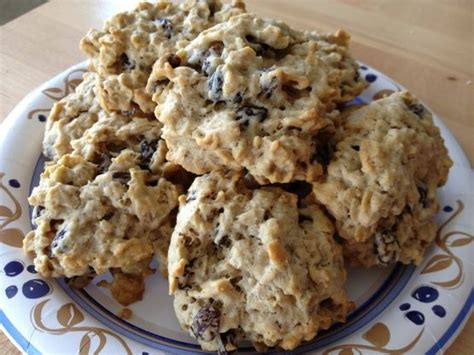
<point x="426" y="45"/>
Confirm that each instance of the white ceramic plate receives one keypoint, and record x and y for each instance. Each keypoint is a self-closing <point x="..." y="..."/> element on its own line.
<point x="399" y="309"/>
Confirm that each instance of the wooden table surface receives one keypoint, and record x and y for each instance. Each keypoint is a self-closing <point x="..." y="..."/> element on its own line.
<point x="425" y="45"/>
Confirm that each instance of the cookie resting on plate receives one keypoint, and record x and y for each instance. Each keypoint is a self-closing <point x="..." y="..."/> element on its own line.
<point x="124" y="51"/>
<point x="252" y="93"/>
<point x="389" y="159"/>
<point x="107" y="199"/>
<point x="254" y="264"/>
<point x="88" y="223"/>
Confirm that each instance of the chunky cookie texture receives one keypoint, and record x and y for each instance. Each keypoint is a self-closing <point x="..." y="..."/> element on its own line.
<point x="78" y="125"/>
<point x="90" y="221"/>
<point x="123" y="52"/>
<point x="70" y="117"/>
<point x="381" y="182"/>
<point x="253" y="94"/>
<point x="107" y="199"/>
<point x="254" y="264"/>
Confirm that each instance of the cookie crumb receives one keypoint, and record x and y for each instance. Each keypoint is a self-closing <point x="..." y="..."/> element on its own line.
<point x="125" y="313"/>
<point x="103" y="283"/>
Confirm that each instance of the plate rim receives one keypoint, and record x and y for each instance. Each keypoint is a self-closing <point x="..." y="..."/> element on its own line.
<point x="14" y="335"/>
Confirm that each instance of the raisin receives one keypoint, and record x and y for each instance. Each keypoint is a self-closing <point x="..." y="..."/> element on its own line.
<point x="338" y="239"/>
<point x="386" y="248"/>
<point x="355" y="147"/>
<point x="166" y="25"/>
<point x="206" y="66"/>
<point x="121" y="176"/>
<point x="246" y="114"/>
<point x="206" y="323"/>
<point x="37" y="212"/>
<point x="226" y="340"/>
<point x="269" y="87"/>
<point x="323" y="154"/>
<point x="261" y="49"/>
<point x="223" y="241"/>
<point x="108" y="216"/>
<point x="56" y="241"/>
<point x="174" y="60"/>
<point x="212" y="9"/>
<point x="215" y="83"/>
<point x="417" y="109"/>
<point x="237" y="98"/>
<point x="423" y="196"/>
<point x="147" y="149"/>
<point x="250" y="182"/>
<point x="126" y="63"/>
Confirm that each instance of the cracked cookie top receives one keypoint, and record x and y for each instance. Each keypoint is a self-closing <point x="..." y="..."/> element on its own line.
<point x="253" y="94"/>
<point x="388" y="161"/>
<point x="89" y="221"/>
<point x="253" y="264"/>
<point x="123" y="52"/>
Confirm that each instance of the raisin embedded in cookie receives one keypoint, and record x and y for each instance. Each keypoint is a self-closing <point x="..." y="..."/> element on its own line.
<point x="253" y="264"/>
<point x="107" y="199"/>
<point x="90" y="221"/>
<point x="78" y="125"/>
<point x="253" y="93"/>
<point x="388" y="161"/>
<point x="124" y="51"/>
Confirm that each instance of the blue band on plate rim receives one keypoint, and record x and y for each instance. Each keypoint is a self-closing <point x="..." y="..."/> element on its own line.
<point x="19" y="339"/>
<point x="455" y="325"/>
<point x="387" y="293"/>
<point x="442" y="341"/>
<point x="366" y="312"/>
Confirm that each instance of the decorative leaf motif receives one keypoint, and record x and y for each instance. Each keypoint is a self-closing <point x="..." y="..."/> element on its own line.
<point x="461" y="242"/>
<point x="85" y="345"/>
<point x="72" y="84"/>
<point x="378" y="335"/>
<point x="12" y="237"/>
<point x="69" y="315"/>
<point x="53" y="93"/>
<point x="437" y="263"/>
<point x="5" y="212"/>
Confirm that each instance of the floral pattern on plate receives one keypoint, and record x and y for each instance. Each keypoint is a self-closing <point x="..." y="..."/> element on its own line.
<point x="398" y="310"/>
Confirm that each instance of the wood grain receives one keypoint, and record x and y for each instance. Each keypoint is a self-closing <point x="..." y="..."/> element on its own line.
<point x="425" y="45"/>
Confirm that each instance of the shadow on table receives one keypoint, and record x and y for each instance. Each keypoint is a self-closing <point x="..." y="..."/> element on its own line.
<point x="11" y="9"/>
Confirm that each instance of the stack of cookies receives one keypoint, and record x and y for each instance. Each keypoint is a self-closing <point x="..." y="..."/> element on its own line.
<point x="222" y="143"/>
